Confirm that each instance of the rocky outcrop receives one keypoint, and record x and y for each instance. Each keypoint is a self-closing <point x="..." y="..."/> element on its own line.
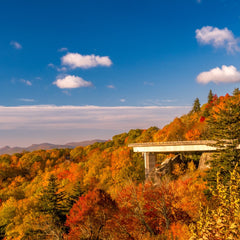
<point x="204" y="161"/>
<point x="167" y="166"/>
<point x="165" y="169"/>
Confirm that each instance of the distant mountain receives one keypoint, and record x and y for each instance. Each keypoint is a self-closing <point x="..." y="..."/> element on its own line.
<point x="46" y="146"/>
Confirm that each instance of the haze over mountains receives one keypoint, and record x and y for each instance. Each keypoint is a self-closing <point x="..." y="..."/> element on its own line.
<point x="47" y="146"/>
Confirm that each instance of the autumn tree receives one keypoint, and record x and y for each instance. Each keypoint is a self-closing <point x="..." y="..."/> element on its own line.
<point x="147" y="135"/>
<point x="78" y="154"/>
<point x="90" y="216"/>
<point x="175" y="131"/>
<point x="7" y="213"/>
<point x="156" y="211"/>
<point x="221" y="219"/>
<point x="119" y="139"/>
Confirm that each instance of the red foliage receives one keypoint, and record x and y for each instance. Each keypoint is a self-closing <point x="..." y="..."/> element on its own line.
<point x="202" y="119"/>
<point x="90" y="215"/>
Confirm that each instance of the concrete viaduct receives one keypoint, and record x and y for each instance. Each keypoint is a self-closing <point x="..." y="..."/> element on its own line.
<point x="150" y="150"/>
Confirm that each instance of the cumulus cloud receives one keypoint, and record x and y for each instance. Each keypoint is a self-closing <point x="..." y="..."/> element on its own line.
<point x="218" y="38"/>
<point x="226" y="74"/>
<point x="71" y="81"/>
<point x="16" y="45"/>
<point x="27" y="82"/>
<point x="123" y="100"/>
<point x="76" y="60"/>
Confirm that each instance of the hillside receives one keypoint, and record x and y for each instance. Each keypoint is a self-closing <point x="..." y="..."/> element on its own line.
<point x="99" y="191"/>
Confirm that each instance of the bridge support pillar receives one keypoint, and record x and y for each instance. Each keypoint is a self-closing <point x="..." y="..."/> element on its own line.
<point x="149" y="161"/>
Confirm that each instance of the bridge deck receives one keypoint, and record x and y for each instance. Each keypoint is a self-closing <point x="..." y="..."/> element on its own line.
<point x="175" y="146"/>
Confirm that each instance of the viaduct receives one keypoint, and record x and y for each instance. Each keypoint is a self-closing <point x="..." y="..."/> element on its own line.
<point x="150" y="149"/>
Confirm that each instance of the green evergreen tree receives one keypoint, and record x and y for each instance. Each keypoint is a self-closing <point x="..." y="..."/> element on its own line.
<point x="224" y="128"/>
<point x="236" y="92"/>
<point x="196" y="106"/>
<point x="210" y="96"/>
<point x="77" y="192"/>
<point x="54" y="202"/>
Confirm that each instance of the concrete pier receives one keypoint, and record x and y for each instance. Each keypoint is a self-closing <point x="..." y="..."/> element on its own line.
<point x="149" y="162"/>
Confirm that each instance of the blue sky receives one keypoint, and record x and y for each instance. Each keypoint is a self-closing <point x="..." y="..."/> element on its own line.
<point x="76" y="70"/>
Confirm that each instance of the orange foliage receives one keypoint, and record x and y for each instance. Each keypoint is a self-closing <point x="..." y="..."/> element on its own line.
<point x="179" y="231"/>
<point x="120" y="159"/>
<point x="172" y="132"/>
<point x="193" y="134"/>
<point x="190" y="193"/>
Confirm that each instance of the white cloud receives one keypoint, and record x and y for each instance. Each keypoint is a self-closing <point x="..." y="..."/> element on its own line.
<point x="24" y="125"/>
<point x="63" y="49"/>
<point x="71" y="81"/>
<point x="59" y="69"/>
<point x="26" y="100"/>
<point x="123" y="100"/>
<point x="111" y="86"/>
<point x="16" y="45"/>
<point x="76" y="60"/>
<point x="90" y="117"/>
<point x="226" y="74"/>
<point x="218" y="38"/>
<point x="28" y="83"/>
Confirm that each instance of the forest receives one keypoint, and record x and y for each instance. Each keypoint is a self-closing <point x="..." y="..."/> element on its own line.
<point x="100" y="192"/>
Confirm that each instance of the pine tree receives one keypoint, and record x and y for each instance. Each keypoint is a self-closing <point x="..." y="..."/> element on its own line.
<point x="210" y="96"/>
<point x="77" y="192"/>
<point x="53" y="202"/>
<point x="236" y="92"/>
<point x="224" y="128"/>
<point x="196" y="106"/>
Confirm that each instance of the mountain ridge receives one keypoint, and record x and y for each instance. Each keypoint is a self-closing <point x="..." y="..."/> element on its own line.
<point x="47" y="146"/>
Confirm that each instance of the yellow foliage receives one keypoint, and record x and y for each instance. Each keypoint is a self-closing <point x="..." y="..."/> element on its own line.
<point x="222" y="221"/>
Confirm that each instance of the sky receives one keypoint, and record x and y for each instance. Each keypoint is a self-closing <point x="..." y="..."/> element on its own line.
<point x="74" y="70"/>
